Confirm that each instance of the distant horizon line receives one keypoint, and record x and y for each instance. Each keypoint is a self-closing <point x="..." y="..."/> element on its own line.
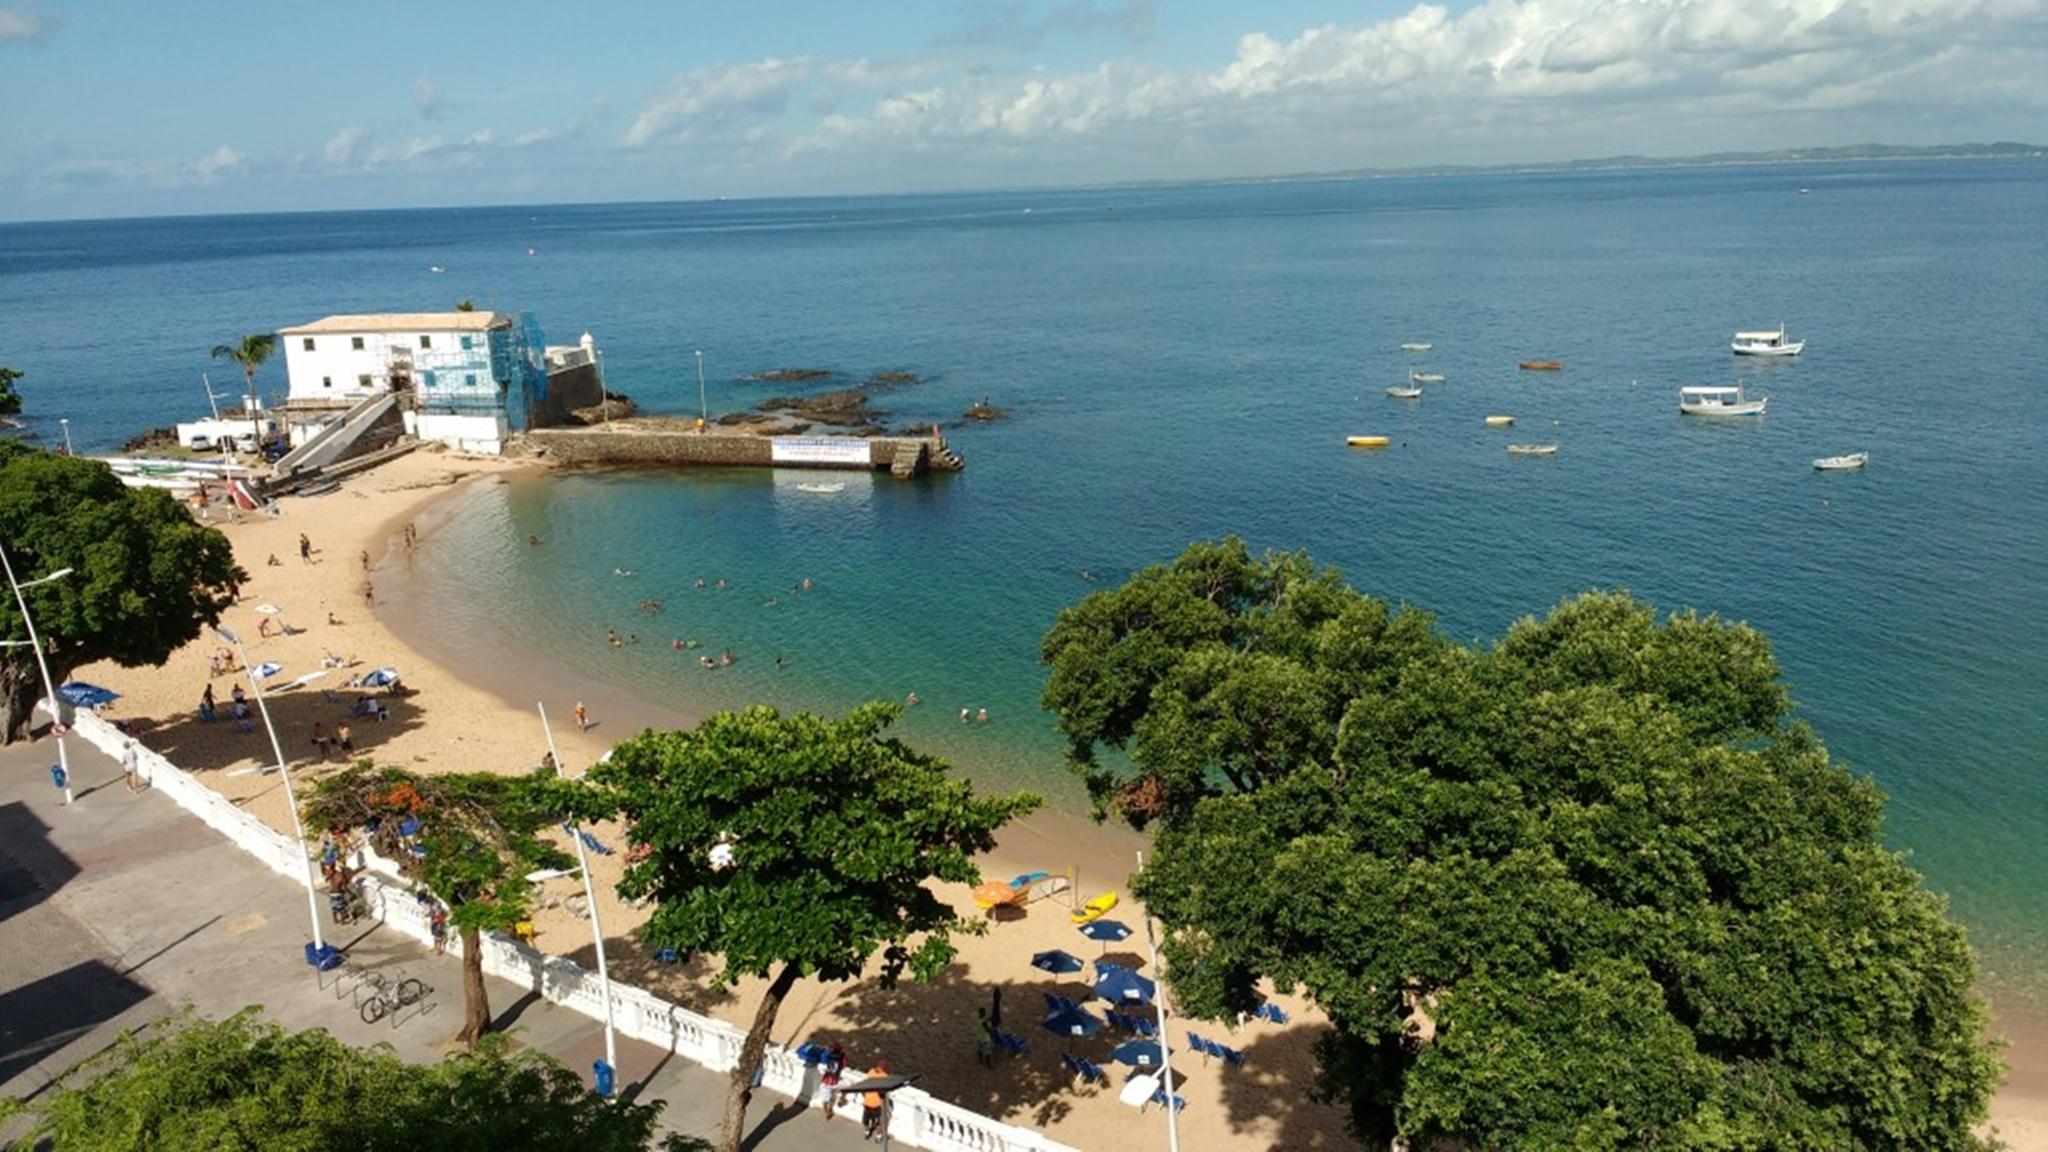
<point x="1820" y="154"/>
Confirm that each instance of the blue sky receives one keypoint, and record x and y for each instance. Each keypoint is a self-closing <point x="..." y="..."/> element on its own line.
<point x="136" y="109"/>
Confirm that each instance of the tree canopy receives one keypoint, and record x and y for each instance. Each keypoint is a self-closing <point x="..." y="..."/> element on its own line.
<point x="10" y="400"/>
<point x="145" y="578"/>
<point x="250" y="352"/>
<point x="1590" y="887"/>
<point x="791" y="846"/>
<point x="477" y="840"/>
<point x="188" y="1085"/>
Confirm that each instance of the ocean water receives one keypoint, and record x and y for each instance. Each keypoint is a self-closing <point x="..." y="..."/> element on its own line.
<point x="1184" y="362"/>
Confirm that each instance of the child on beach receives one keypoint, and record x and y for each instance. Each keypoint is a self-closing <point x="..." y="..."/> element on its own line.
<point x="582" y="717"/>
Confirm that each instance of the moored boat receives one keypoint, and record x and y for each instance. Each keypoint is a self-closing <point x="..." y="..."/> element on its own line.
<point x="1846" y="463"/>
<point x="1700" y="400"/>
<point x="1416" y="346"/>
<point x="1425" y="377"/>
<point x="1499" y="421"/>
<point x="1765" y="344"/>
<point x="1405" y="393"/>
<point x="1540" y="365"/>
<point x="1367" y="441"/>
<point x="1532" y="449"/>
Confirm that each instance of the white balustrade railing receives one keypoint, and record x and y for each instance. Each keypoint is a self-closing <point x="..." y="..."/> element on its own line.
<point x="918" y="1120"/>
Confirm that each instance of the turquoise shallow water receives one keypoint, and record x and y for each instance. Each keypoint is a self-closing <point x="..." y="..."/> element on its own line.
<point x="1185" y="362"/>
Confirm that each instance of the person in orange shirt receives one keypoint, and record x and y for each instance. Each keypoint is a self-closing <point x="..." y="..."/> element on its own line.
<point x="871" y="1102"/>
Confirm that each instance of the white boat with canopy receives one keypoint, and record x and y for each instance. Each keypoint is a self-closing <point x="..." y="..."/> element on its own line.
<point x="1766" y="344"/>
<point x="1701" y="400"/>
<point x="1847" y="463"/>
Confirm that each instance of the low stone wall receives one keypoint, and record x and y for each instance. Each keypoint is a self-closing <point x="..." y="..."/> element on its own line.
<point x="661" y="448"/>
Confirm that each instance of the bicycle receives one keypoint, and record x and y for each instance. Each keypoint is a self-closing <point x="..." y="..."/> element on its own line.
<point x="388" y="997"/>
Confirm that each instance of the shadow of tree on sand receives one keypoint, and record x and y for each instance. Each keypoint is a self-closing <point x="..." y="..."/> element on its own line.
<point x="927" y="1031"/>
<point x="1274" y="1090"/>
<point x="201" y="746"/>
<point x="686" y="984"/>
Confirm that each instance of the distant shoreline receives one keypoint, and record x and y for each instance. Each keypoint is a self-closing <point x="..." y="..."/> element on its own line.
<point x="1860" y="153"/>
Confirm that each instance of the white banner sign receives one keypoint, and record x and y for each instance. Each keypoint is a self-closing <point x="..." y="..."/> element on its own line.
<point x="820" y="450"/>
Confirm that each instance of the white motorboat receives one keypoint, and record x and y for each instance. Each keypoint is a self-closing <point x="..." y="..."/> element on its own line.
<point x="1425" y="377"/>
<point x="1766" y="344"/>
<point x="1532" y="449"/>
<point x="1405" y="393"/>
<point x="1701" y="400"/>
<point x="821" y="489"/>
<point x="1847" y="463"/>
<point x="1416" y="346"/>
<point x="1499" y="421"/>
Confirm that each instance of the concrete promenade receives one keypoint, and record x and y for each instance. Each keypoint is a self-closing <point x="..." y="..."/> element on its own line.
<point x="121" y="908"/>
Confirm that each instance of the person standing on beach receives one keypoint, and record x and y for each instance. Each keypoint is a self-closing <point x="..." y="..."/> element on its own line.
<point x="344" y="740"/>
<point x="366" y="559"/>
<point x="305" y="549"/>
<point x="369" y="594"/>
<point x="984" y="1039"/>
<point x="131" y="766"/>
<point x="582" y="717"/>
<point x="207" y="708"/>
<point x="320" y="739"/>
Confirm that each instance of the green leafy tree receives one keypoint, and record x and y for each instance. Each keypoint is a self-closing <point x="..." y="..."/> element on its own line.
<point x="10" y="400"/>
<point x="250" y="352"/>
<point x="792" y="846"/>
<point x="188" y="1085"/>
<point x="145" y="578"/>
<point x="1592" y="887"/>
<point x="465" y="305"/>
<point x="479" y="835"/>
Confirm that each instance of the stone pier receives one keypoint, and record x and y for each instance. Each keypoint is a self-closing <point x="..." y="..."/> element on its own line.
<point x="627" y="446"/>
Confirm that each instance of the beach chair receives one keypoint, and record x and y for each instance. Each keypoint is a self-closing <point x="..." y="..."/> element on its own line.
<point x="1199" y="1045"/>
<point x="1270" y="1011"/>
<point x="1068" y="1062"/>
<point x="1090" y="1072"/>
<point x="1231" y="1056"/>
<point x="1146" y="1028"/>
<point x="1160" y="1098"/>
<point x="594" y="844"/>
<point x="1013" y="1044"/>
<point x="1052" y="1003"/>
<point x="667" y="956"/>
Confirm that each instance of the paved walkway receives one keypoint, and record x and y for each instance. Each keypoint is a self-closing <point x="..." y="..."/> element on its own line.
<point x="117" y="910"/>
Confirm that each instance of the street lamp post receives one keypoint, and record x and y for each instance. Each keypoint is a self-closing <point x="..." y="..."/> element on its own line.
<point x="1159" y="1003"/>
<point x="284" y="773"/>
<point x="703" y="409"/>
<point x="43" y="665"/>
<point x="604" y="980"/>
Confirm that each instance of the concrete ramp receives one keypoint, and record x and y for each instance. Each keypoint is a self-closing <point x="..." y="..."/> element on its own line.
<point x="372" y="424"/>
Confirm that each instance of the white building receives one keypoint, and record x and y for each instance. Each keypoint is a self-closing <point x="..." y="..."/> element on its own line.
<point x="453" y="371"/>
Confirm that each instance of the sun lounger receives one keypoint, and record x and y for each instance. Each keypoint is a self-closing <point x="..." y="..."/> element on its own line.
<point x="1052" y="1003"/>
<point x="1270" y="1011"/>
<point x="1159" y="1097"/>
<point x="594" y="844"/>
<point x="1231" y="1056"/>
<point x="1013" y="1044"/>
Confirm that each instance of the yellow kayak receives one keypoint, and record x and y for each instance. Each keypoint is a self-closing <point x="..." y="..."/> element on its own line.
<point x="1499" y="421"/>
<point x="1094" y="909"/>
<point x="1366" y="441"/>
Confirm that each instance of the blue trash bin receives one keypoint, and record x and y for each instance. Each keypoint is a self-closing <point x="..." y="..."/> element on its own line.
<point x="603" y="1072"/>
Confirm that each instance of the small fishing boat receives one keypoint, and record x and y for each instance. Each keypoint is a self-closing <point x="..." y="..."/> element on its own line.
<point x="1532" y="449"/>
<point x="1416" y="347"/>
<point x="821" y="489"/>
<point x="1499" y="421"/>
<point x="1425" y="377"/>
<point x="1716" y="401"/>
<point x="1367" y="441"/>
<point x="1766" y="344"/>
<point x="1405" y="393"/>
<point x="1540" y="365"/>
<point x="1847" y="463"/>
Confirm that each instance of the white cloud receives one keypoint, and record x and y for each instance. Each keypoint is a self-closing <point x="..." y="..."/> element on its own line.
<point x="428" y="98"/>
<point x="346" y="147"/>
<point x="21" y="22"/>
<point x="744" y="101"/>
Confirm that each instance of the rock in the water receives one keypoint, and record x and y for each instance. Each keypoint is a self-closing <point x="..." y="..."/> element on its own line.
<point x="790" y="375"/>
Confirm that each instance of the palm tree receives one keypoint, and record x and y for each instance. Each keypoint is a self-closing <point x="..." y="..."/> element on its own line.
<point x="250" y="353"/>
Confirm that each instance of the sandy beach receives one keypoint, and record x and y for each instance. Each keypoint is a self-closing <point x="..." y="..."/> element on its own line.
<point x="464" y="717"/>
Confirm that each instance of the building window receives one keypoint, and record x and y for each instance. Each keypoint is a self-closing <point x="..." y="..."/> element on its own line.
<point x="308" y="344"/>
<point x="327" y="381"/>
<point x="469" y="379"/>
<point x="468" y="343"/>
<point x="355" y="343"/>
<point x="362" y="381"/>
<point x="426" y="341"/>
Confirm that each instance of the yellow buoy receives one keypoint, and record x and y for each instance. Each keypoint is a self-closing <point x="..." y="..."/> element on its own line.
<point x="1367" y="441"/>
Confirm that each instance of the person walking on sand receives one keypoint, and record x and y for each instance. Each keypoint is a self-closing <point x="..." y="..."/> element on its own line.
<point x="320" y="739"/>
<point x="366" y="559"/>
<point x="984" y="1039"/>
<point x="369" y="594"/>
<point x="582" y="717"/>
<point x="305" y="549"/>
<point x="344" y="740"/>
<point x="131" y="766"/>
<point x="207" y="708"/>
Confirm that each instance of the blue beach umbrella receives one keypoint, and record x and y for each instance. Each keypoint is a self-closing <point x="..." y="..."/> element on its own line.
<point x="380" y="678"/>
<point x="1057" y="962"/>
<point x="79" y="694"/>
<point x="266" y="670"/>
<point x="1071" y="1023"/>
<point x="1123" y="986"/>
<point x="1138" y="1054"/>
<point x="1106" y="931"/>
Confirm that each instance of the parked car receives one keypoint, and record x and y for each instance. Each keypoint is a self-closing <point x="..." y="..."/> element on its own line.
<point x="200" y="443"/>
<point x="246" y="442"/>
